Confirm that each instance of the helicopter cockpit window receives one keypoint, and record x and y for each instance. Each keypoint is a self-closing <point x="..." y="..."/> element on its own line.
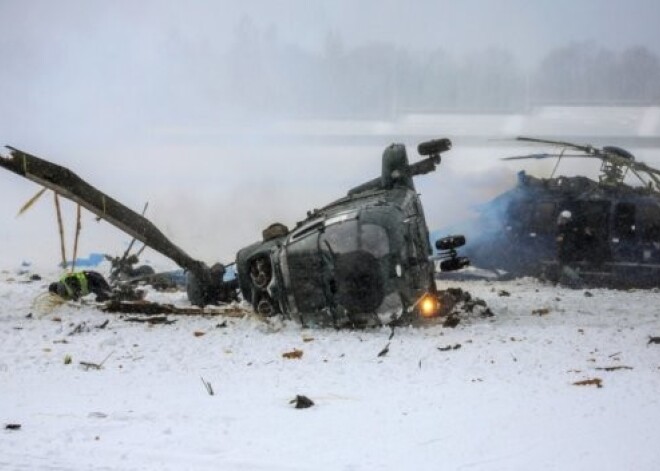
<point x="342" y="237"/>
<point x="374" y="240"/>
<point x="624" y="221"/>
<point x="543" y="218"/>
<point x="649" y="221"/>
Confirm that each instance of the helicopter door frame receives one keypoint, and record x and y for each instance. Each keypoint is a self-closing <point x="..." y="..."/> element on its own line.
<point x="624" y="238"/>
<point x="648" y="222"/>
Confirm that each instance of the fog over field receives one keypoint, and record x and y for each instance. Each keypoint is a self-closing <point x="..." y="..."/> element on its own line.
<point x="228" y="117"/>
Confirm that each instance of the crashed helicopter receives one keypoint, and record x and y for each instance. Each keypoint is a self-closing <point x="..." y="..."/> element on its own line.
<point x="365" y="259"/>
<point x="616" y="225"/>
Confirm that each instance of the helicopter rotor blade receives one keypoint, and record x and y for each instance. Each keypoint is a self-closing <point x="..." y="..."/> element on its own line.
<point x="589" y="149"/>
<point x="548" y="156"/>
<point x="641" y="166"/>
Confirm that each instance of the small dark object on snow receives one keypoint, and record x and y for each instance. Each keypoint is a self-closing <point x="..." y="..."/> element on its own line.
<point x="29" y="316"/>
<point x="590" y="382"/>
<point x="459" y="294"/>
<point x="588" y="294"/>
<point x="302" y="402"/>
<point x="450" y="347"/>
<point x="79" y="329"/>
<point x="503" y="293"/>
<point x="221" y="325"/>
<point x="451" y="321"/>
<point x="103" y="325"/>
<point x="384" y="351"/>
<point x="487" y="313"/>
<point x="294" y="354"/>
<point x="13" y="427"/>
<point x="653" y="340"/>
<point x="614" y="368"/>
<point x="541" y="312"/>
<point x="208" y="387"/>
<point x="151" y="320"/>
<point x="35" y="277"/>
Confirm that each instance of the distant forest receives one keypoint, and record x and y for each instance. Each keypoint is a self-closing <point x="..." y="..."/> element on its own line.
<point x="263" y="74"/>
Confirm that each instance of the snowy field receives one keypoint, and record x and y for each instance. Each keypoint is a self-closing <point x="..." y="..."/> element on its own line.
<point x="505" y="399"/>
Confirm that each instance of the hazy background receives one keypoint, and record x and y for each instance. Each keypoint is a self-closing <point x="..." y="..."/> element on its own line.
<point x="227" y="117"/>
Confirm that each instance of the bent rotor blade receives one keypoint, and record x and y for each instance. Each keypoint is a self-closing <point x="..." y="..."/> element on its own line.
<point x="589" y="149"/>
<point x="653" y="173"/>
<point x="548" y="156"/>
<point x="69" y="185"/>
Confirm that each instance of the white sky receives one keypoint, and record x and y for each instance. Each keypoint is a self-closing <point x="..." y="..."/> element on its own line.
<point x="93" y="86"/>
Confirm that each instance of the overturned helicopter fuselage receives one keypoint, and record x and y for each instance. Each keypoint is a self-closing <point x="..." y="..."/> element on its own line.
<point x="361" y="260"/>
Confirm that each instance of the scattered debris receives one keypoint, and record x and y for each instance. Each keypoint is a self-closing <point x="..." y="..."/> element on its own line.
<point x="302" y="402"/>
<point x="450" y="347"/>
<point x="455" y="302"/>
<point x="295" y="354"/>
<point x="151" y="320"/>
<point x="149" y="308"/>
<point x="207" y="385"/>
<point x="103" y="325"/>
<point x="12" y="426"/>
<point x="614" y="368"/>
<point x="541" y="312"/>
<point x="384" y="351"/>
<point x="96" y="366"/>
<point x="80" y="328"/>
<point x="653" y="340"/>
<point x="590" y="382"/>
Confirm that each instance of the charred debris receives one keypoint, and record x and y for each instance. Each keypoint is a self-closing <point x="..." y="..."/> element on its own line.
<point x="362" y="260"/>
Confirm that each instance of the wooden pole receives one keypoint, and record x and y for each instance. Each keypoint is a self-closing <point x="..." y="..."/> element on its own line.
<point x="75" y="241"/>
<point x="60" y="227"/>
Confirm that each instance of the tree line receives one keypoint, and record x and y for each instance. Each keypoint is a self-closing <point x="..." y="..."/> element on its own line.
<point x="263" y="74"/>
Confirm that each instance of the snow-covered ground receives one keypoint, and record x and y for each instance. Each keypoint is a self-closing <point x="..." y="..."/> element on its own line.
<point x="505" y="399"/>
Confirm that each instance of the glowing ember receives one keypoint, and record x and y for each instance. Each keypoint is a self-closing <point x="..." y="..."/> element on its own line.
<point x="428" y="306"/>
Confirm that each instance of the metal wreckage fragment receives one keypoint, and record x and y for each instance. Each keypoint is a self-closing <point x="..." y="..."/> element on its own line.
<point x="364" y="259"/>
